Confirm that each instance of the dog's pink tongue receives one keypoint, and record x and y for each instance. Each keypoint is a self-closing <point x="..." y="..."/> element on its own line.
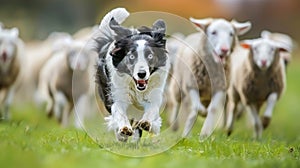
<point x="141" y="82"/>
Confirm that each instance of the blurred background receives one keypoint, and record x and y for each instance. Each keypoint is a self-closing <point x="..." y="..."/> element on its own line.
<point x="37" y="18"/>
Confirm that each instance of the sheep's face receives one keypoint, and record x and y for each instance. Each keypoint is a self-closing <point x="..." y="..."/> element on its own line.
<point x="264" y="52"/>
<point x="8" y="45"/>
<point x="222" y="34"/>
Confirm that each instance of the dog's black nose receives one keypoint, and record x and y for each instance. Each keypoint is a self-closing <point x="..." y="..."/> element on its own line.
<point x="141" y="74"/>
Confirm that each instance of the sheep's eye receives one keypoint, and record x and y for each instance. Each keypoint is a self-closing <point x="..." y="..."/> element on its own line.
<point x="231" y="34"/>
<point x="131" y="57"/>
<point x="214" y="32"/>
<point x="150" y="56"/>
<point x="255" y="49"/>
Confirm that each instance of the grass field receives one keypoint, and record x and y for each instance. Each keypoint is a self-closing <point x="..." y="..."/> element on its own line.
<point x="31" y="140"/>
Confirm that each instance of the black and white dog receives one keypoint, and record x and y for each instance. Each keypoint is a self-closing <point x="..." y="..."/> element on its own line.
<point x="132" y="69"/>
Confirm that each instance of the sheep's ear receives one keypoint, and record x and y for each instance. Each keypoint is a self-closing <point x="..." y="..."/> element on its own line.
<point x="119" y="30"/>
<point x="265" y="34"/>
<point x="201" y="23"/>
<point x="241" y="28"/>
<point x="246" y="44"/>
<point x="14" y="32"/>
<point x="283" y="48"/>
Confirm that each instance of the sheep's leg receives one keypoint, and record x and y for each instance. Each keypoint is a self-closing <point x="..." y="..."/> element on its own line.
<point x="230" y="117"/>
<point x="240" y="108"/>
<point x="173" y="118"/>
<point x="6" y="101"/>
<point x="49" y="98"/>
<point x="8" y="98"/>
<point x="82" y="105"/>
<point x="3" y="95"/>
<point x="174" y="92"/>
<point x="214" y="113"/>
<point x="196" y="106"/>
<point x="49" y="107"/>
<point x="67" y="109"/>
<point x="271" y="101"/>
<point x="119" y="122"/>
<point x="258" y="128"/>
<point x="60" y="101"/>
<point x="1" y="106"/>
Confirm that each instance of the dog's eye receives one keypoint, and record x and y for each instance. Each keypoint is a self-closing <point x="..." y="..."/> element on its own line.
<point x="131" y="57"/>
<point x="150" y="56"/>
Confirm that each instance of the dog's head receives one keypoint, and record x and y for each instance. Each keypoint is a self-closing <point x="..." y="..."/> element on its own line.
<point x="140" y="52"/>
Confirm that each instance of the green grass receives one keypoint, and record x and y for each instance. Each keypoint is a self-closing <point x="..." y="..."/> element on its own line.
<point x="31" y="140"/>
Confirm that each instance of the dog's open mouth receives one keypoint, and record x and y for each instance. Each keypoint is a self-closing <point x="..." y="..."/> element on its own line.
<point x="141" y="84"/>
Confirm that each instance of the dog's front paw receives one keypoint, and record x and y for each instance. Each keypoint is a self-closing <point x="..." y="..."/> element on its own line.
<point x="144" y="125"/>
<point x="125" y="131"/>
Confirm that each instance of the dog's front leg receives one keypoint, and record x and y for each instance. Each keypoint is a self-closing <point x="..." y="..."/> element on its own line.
<point x="119" y="121"/>
<point x="151" y="120"/>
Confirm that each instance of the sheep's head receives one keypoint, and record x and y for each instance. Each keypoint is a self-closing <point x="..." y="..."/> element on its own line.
<point x="78" y="56"/>
<point x="263" y="52"/>
<point x="8" y="44"/>
<point x="222" y="34"/>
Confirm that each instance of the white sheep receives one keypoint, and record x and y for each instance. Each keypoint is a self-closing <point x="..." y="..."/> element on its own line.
<point x="204" y="53"/>
<point x="11" y="56"/>
<point x="36" y="55"/>
<point x="258" y="77"/>
<point x="56" y="77"/>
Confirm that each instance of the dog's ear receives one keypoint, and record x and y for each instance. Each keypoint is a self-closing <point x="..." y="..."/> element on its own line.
<point x="158" y="32"/>
<point x="159" y="26"/>
<point x="118" y="29"/>
<point x="120" y="50"/>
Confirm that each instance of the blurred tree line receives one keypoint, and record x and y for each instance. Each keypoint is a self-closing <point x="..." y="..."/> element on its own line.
<point x="37" y="18"/>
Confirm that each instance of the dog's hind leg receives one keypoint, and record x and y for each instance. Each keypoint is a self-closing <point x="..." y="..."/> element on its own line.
<point x="137" y="135"/>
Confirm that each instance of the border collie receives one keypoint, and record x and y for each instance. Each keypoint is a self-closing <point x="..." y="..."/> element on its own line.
<point x="132" y="69"/>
